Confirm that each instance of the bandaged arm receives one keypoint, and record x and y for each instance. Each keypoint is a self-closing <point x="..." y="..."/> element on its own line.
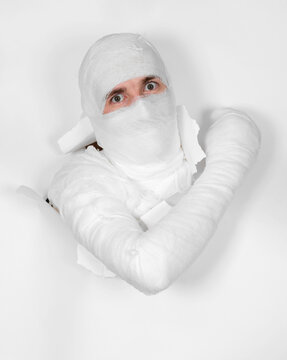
<point x="151" y="260"/>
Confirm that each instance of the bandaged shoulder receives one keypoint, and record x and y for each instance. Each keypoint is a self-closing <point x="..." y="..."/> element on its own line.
<point x="84" y="176"/>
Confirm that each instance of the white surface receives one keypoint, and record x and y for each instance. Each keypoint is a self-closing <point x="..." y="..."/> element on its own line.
<point x="232" y="302"/>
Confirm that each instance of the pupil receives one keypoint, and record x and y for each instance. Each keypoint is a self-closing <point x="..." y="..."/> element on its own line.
<point x="117" y="98"/>
<point x="150" y="86"/>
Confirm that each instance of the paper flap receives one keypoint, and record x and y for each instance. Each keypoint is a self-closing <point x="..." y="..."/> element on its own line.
<point x="79" y="136"/>
<point x="188" y="131"/>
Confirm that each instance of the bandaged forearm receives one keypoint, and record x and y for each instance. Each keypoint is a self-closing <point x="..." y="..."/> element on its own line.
<point x="151" y="260"/>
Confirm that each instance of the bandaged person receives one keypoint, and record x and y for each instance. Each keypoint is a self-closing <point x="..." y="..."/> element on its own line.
<point x="131" y="198"/>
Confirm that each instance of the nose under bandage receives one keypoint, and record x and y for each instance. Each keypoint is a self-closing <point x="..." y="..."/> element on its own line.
<point x="144" y="133"/>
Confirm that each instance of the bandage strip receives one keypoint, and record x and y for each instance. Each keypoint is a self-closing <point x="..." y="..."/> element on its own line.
<point x="152" y="260"/>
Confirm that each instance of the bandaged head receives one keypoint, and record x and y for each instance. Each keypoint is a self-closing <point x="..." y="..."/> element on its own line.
<point x="145" y="132"/>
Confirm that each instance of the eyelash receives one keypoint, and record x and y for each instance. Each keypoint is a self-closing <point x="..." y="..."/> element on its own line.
<point x="149" y="82"/>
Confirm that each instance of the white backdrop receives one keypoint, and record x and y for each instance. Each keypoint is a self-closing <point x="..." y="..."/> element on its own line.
<point x="231" y="304"/>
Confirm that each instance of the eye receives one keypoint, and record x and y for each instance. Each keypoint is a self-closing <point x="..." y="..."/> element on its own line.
<point x="117" y="98"/>
<point x="151" y="85"/>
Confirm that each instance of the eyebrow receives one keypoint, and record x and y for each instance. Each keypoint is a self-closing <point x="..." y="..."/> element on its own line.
<point x="122" y="89"/>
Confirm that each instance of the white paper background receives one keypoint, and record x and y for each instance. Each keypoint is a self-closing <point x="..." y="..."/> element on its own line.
<point x="231" y="304"/>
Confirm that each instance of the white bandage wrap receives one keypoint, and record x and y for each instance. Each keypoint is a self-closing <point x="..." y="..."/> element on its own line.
<point x="102" y="219"/>
<point x="113" y="59"/>
<point x="172" y="190"/>
<point x="105" y="197"/>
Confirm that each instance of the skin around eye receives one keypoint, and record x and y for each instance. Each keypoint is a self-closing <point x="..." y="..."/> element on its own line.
<point x="149" y="86"/>
<point x="117" y="98"/>
<point x="129" y="90"/>
<point x="154" y="86"/>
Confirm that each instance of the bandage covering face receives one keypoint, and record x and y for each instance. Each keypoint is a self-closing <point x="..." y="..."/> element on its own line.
<point x="142" y="139"/>
<point x="144" y="133"/>
<point x="102" y="194"/>
<point x="112" y="60"/>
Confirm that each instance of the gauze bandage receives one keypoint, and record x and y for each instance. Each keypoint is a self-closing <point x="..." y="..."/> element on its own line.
<point x="169" y="183"/>
<point x="112" y="60"/>
<point x="141" y="139"/>
<point x="101" y="195"/>
<point x="144" y="133"/>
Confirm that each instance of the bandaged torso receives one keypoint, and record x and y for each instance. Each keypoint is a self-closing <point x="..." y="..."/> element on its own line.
<point x="143" y="193"/>
<point x="147" y="192"/>
<point x="89" y="168"/>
